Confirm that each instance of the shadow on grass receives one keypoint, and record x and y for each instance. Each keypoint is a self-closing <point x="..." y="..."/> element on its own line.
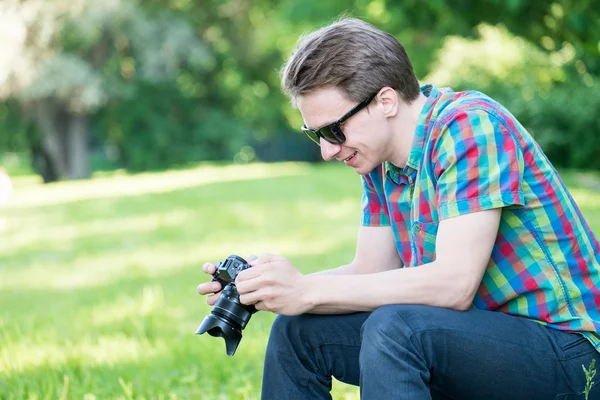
<point x="174" y="371"/>
<point x="222" y="210"/>
<point x="160" y="317"/>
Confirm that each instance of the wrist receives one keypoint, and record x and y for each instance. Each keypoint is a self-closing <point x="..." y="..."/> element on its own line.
<point x="310" y="294"/>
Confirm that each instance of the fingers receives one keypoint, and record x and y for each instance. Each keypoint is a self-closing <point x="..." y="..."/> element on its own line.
<point x="209" y="268"/>
<point x="211" y="300"/>
<point x="251" y="298"/>
<point x="248" y="285"/>
<point x="245" y="280"/>
<point x="251" y="273"/>
<point x="209" y="287"/>
<point x="265" y="258"/>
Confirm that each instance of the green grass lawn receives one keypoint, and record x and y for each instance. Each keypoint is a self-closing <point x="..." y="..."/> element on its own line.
<point x="98" y="278"/>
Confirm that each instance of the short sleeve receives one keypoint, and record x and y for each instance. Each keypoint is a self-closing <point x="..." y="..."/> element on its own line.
<point x="479" y="165"/>
<point x="374" y="208"/>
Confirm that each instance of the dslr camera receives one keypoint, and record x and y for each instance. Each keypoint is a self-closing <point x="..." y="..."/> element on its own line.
<point x="228" y="317"/>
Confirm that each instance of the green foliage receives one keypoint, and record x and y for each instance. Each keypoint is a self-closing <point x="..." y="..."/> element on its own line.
<point x="90" y="53"/>
<point x="186" y="70"/>
<point x="559" y="109"/>
<point x="14" y="128"/>
<point x="553" y="26"/>
<point x="494" y="59"/>
<point x="15" y="164"/>
<point x="161" y="129"/>
<point x="590" y="372"/>
<point x="565" y="122"/>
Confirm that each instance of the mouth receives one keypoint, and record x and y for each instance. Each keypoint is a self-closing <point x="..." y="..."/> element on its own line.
<point x="350" y="157"/>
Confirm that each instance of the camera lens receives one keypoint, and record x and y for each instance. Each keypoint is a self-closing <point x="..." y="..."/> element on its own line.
<point x="227" y="319"/>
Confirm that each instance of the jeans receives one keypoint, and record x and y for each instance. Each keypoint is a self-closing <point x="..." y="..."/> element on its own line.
<point x="421" y="352"/>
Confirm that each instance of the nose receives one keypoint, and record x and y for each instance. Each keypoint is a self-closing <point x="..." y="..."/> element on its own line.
<point x="329" y="150"/>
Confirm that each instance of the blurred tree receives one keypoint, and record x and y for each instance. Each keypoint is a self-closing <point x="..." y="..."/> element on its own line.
<point x="69" y="58"/>
<point x="558" y="25"/>
<point x="496" y="60"/>
<point x="162" y="83"/>
<point x="246" y="36"/>
<point x="561" y="110"/>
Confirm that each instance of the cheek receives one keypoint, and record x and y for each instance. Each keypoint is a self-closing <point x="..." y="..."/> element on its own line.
<point x="370" y="140"/>
<point x="366" y="134"/>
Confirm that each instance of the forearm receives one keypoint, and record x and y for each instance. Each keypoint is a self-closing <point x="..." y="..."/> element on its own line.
<point x="429" y="284"/>
<point x="358" y="268"/>
<point x="348" y="269"/>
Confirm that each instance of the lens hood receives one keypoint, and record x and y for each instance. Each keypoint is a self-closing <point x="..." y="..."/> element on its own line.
<point x="220" y="327"/>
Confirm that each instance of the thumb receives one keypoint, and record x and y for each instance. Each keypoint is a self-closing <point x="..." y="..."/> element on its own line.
<point x="251" y="258"/>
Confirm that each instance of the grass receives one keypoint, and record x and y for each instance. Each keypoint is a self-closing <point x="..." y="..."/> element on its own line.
<point x="590" y="373"/>
<point x="98" y="278"/>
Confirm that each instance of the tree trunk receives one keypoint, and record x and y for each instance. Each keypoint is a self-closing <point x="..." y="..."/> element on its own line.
<point x="52" y="142"/>
<point x="77" y="145"/>
<point x="64" y="153"/>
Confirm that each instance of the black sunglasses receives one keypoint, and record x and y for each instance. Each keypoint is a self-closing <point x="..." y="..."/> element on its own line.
<point x="333" y="132"/>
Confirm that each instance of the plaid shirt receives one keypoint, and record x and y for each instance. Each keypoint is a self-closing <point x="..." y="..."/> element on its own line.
<point x="470" y="154"/>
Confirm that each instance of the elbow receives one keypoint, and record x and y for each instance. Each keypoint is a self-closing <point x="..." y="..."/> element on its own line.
<point x="461" y="305"/>
<point x="462" y="298"/>
<point x="460" y="288"/>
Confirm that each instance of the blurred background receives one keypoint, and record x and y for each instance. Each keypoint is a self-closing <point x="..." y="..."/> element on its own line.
<point x="139" y="139"/>
<point x="122" y="84"/>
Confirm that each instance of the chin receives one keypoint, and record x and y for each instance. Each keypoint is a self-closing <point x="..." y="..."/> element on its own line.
<point x="363" y="172"/>
<point x="361" y="165"/>
<point x="364" y="169"/>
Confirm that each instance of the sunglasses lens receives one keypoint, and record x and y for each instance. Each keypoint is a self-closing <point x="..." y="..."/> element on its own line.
<point x="313" y="136"/>
<point x="333" y="134"/>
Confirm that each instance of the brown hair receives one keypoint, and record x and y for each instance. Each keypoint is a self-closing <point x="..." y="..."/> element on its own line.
<point x="353" y="56"/>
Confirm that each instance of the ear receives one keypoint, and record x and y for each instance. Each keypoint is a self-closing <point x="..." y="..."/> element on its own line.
<point x="389" y="100"/>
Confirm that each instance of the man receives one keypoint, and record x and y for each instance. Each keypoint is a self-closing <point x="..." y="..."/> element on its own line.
<point x="475" y="274"/>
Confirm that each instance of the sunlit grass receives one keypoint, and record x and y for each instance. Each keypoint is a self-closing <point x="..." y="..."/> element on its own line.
<point x="98" y="278"/>
<point x="120" y="185"/>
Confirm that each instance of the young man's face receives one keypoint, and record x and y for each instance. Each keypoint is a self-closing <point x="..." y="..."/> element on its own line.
<point x="366" y="146"/>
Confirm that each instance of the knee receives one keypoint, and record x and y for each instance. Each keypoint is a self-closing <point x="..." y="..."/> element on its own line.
<point x="289" y="333"/>
<point x="382" y="327"/>
<point x="394" y="325"/>
<point x="284" y="329"/>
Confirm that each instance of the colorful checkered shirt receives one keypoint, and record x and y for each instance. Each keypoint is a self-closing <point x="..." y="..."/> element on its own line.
<point x="470" y="154"/>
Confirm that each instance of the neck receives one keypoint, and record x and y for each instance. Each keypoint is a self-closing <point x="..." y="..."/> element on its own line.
<point x="404" y="131"/>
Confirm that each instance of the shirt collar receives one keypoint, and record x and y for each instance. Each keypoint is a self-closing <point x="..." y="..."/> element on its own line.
<point x="414" y="158"/>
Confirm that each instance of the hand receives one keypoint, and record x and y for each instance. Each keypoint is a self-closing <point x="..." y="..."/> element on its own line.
<point x="273" y="284"/>
<point x="210" y="287"/>
<point x="214" y="287"/>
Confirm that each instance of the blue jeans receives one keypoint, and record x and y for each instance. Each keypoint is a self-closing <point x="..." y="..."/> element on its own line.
<point x="421" y="352"/>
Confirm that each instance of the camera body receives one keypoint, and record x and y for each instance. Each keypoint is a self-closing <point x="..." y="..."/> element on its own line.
<point x="228" y="270"/>
<point x="228" y="317"/>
